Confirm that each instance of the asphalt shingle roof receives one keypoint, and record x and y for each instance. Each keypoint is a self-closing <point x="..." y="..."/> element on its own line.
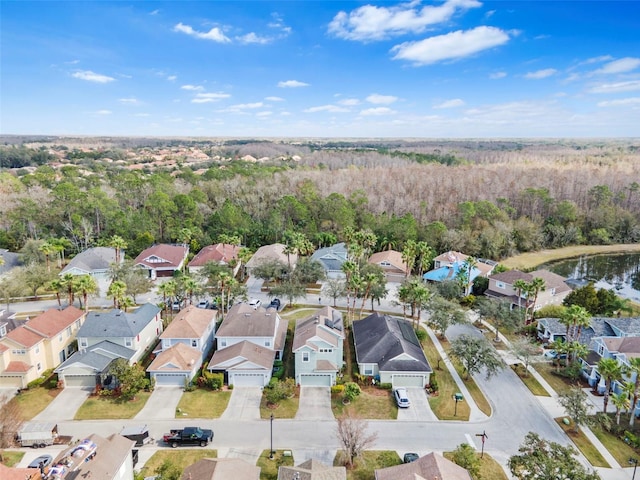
<point x="97" y="258"/>
<point x="117" y="323"/>
<point x="98" y="356"/>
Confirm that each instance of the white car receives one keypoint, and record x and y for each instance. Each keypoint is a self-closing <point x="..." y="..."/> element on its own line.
<point x="255" y="303"/>
<point x="402" y="399"/>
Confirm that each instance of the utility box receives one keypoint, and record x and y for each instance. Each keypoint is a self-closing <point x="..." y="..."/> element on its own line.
<point x="38" y="435"/>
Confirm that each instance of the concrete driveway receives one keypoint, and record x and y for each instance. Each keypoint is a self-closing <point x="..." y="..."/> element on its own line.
<point x="244" y="404"/>
<point x="315" y="404"/>
<point x="419" y="409"/>
<point x="65" y="405"/>
<point x="161" y="404"/>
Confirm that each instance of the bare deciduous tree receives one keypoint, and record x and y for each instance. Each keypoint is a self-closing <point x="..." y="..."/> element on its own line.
<point x="353" y="436"/>
<point x="10" y="422"/>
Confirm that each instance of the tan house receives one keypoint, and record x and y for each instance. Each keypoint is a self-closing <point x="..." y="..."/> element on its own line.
<point x="219" y="254"/>
<point x="40" y="344"/>
<point x="501" y="287"/>
<point x="14" y="473"/>
<point x="395" y="270"/>
<point x="162" y="260"/>
<point x="312" y="470"/>
<point x="221" y="469"/>
<point x="428" y="467"/>
<point x="244" y="364"/>
<point x="272" y="252"/>
<point x="450" y="258"/>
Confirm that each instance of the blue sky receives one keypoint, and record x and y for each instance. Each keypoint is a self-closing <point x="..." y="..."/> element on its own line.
<point x="453" y="68"/>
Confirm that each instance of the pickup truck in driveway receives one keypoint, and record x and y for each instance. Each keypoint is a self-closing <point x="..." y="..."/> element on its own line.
<point x="188" y="436"/>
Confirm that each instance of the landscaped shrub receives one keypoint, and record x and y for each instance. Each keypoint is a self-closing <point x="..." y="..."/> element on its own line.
<point x="215" y="381"/>
<point x="384" y="386"/>
<point x="351" y="391"/>
<point x="421" y="334"/>
<point x="279" y="390"/>
<point x="337" y="389"/>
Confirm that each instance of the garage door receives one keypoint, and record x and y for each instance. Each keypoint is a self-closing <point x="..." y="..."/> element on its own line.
<point x="80" y="380"/>
<point x="247" y="379"/>
<point x="408" y="381"/>
<point x="315" y="380"/>
<point x="9" y="381"/>
<point x="170" y="379"/>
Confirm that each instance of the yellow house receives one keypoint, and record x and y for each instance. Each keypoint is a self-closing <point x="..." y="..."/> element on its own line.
<point x="40" y="344"/>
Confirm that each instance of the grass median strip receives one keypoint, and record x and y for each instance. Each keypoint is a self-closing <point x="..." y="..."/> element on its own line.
<point x="529" y="380"/>
<point x="180" y="458"/>
<point x="269" y="466"/>
<point x="583" y="444"/>
<point x="105" y="408"/>
<point x="202" y="403"/>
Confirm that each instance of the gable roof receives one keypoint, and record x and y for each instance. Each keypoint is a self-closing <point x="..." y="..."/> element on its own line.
<point x="598" y="327"/>
<point x="24" y="337"/>
<point x="96" y="258"/>
<point x="242" y="320"/>
<point x="326" y="323"/>
<point x="331" y="258"/>
<point x="450" y="272"/>
<point x="177" y="358"/>
<point x="312" y="470"/>
<point x="379" y="339"/>
<point x="221" y="469"/>
<point x="219" y="253"/>
<point x="98" y="356"/>
<point x="551" y="280"/>
<point x="54" y="321"/>
<point x="274" y="251"/>
<point x="390" y="256"/>
<point x="11" y="260"/>
<point x="190" y="322"/>
<point x="118" y="324"/>
<point x="245" y="351"/>
<point x="15" y="473"/>
<point x="629" y="346"/>
<point x="427" y="467"/>
<point x="451" y="257"/>
<point x="170" y="256"/>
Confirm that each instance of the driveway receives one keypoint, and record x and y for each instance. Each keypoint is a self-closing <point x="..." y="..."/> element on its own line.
<point x="65" y="405"/>
<point x="244" y="404"/>
<point x="420" y="409"/>
<point x="161" y="404"/>
<point x="315" y="404"/>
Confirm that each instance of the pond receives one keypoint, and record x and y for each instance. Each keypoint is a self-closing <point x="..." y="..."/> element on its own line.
<point x="620" y="272"/>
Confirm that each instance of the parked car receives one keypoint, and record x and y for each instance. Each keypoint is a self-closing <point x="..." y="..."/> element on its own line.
<point x="44" y="459"/>
<point x="176" y="305"/>
<point x="410" y="457"/>
<point x="188" y="436"/>
<point x="203" y="303"/>
<point x="402" y="399"/>
<point x="255" y="303"/>
<point x="275" y="303"/>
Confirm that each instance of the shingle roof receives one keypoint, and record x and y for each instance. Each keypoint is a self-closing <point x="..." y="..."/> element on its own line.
<point x="17" y="367"/>
<point x="391" y="256"/>
<point x="15" y="473"/>
<point x="218" y="253"/>
<point x="427" y="467"/>
<point x="173" y="255"/>
<point x="331" y="257"/>
<point x="379" y="339"/>
<point x="629" y="325"/>
<point x="271" y="252"/>
<point x="551" y="280"/>
<point x="97" y="258"/>
<point x="118" y="324"/>
<point x="11" y="260"/>
<point x="599" y="327"/>
<point x="221" y="469"/>
<point x="242" y="320"/>
<point x="24" y="337"/>
<point x="630" y="346"/>
<point x="312" y="470"/>
<point x="178" y="357"/>
<point x="54" y="321"/>
<point x="246" y="351"/>
<point x="191" y="322"/>
<point x="325" y="323"/>
<point x="111" y="453"/>
<point x="449" y="272"/>
<point x="98" y="356"/>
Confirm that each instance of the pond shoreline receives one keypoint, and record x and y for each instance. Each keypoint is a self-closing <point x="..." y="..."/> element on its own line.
<point x="531" y="260"/>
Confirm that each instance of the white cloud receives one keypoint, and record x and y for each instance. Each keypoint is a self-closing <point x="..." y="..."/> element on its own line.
<point x="90" y="76"/>
<point x="628" y="86"/>
<point x="377" y="111"/>
<point x="381" y="99"/>
<point x="253" y="38"/>
<point x="129" y="101"/>
<point x="621" y="65"/>
<point x="453" y="103"/>
<point x="454" y="45"/>
<point x="215" y="34"/>
<point x="497" y="75"/>
<point x="349" y="102"/>
<point x="327" y="108"/>
<point x="539" y="74"/>
<point x="142" y="115"/>
<point x="274" y="99"/>
<point x="264" y="114"/>
<point x="192" y="88"/>
<point x="245" y="106"/>
<point x="154" y="12"/>
<point x="369" y="22"/>
<point x="172" y="78"/>
<point x="620" y="103"/>
<point x="103" y="112"/>
<point x="292" y="84"/>
<point x="209" y="97"/>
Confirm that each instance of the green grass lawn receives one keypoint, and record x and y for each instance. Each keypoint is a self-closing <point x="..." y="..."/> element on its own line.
<point x="489" y="468"/>
<point x="364" y="466"/>
<point x="11" y="458"/>
<point x="34" y="400"/>
<point x="287" y="408"/>
<point x="558" y="383"/>
<point x="474" y="390"/>
<point x="181" y="458"/>
<point x="372" y="403"/>
<point x="615" y="445"/>
<point x="104" y="408"/>
<point x="583" y="444"/>
<point x="529" y="380"/>
<point x="269" y="467"/>
<point x="203" y="403"/>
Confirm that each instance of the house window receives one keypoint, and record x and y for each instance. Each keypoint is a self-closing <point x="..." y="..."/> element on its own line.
<point x="223" y="343"/>
<point x="305" y="356"/>
<point x="553" y="291"/>
<point x="39" y="366"/>
<point x="600" y="349"/>
<point x="194" y="343"/>
<point x="326" y="350"/>
<point x="83" y="342"/>
<point x="78" y="323"/>
<point x="60" y="337"/>
<point x="500" y="285"/>
<point x="19" y="352"/>
<point x="3" y="330"/>
<point x="267" y="343"/>
<point x="68" y="332"/>
<point x="38" y="349"/>
<point x="368" y="370"/>
<point x="128" y="342"/>
<point x="384" y="263"/>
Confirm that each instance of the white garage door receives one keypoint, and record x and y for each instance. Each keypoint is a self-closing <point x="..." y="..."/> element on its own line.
<point x="315" y="380"/>
<point x="247" y="379"/>
<point x="170" y="379"/>
<point x="80" y="380"/>
<point x="8" y="381"/>
<point x="408" y="381"/>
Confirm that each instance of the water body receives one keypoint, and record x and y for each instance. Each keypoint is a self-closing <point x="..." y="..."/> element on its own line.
<point x="620" y="272"/>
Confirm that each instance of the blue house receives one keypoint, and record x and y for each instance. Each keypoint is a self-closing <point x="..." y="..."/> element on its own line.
<point x="331" y="258"/>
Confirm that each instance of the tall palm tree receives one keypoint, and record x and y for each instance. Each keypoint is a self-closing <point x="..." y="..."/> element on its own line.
<point x="47" y="249"/>
<point x="425" y="257"/>
<point x="520" y="286"/>
<point x="537" y="285"/>
<point x="68" y="281"/>
<point x="633" y="369"/>
<point x="191" y="287"/>
<point x="56" y="287"/>
<point x="86" y="285"/>
<point x="467" y="277"/>
<point x="409" y="255"/>
<point x="620" y="402"/>
<point x="119" y="244"/>
<point x="168" y="290"/>
<point x="223" y="280"/>
<point x="117" y="291"/>
<point x="575" y="318"/>
<point x="611" y="371"/>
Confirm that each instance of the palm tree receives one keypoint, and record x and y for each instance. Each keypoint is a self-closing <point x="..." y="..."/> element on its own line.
<point x="369" y="281"/>
<point x="168" y="290"/>
<point x="610" y="370"/>
<point x="85" y="285"/>
<point x="117" y="291"/>
<point x="191" y="287"/>
<point x="56" y="287"/>
<point x="537" y="285"/>
<point x="126" y="302"/>
<point x="68" y="281"/>
<point x="575" y="318"/>
<point x="633" y="369"/>
<point x="621" y="402"/>
<point x="47" y="249"/>
<point x="467" y="267"/>
<point x="425" y="257"/>
<point x="223" y="280"/>
<point x="409" y="255"/>
<point x="118" y="243"/>
<point x="521" y="287"/>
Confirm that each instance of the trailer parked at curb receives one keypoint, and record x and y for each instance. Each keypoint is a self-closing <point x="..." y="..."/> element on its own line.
<point x="38" y="435"/>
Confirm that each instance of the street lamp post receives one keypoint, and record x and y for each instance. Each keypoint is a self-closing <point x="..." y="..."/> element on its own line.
<point x="634" y="462"/>
<point x="271" y="450"/>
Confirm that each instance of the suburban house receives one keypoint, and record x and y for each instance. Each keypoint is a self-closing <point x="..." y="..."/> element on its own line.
<point x="551" y="329"/>
<point x="428" y="467"/>
<point x="219" y="254"/>
<point x="312" y="470"/>
<point x="10" y="261"/>
<point x="331" y="258"/>
<point x="388" y="349"/>
<point x="448" y="267"/>
<point x="93" y="261"/>
<point x="272" y="252"/>
<point x="501" y="288"/>
<point x="221" y="469"/>
<point x="183" y="346"/>
<point x="395" y="270"/>
<point x="244" y="364"/>
<point x="8" y="321"/>
<point x="15" y="473"/>
<point x="40" y="344"/>
<point x="162" y="260"/>
<point x="318" y="348"/>
<point x="106" y="336"/>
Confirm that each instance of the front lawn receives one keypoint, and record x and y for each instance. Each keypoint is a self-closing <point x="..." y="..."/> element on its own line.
<point x="529" y="380"/>
<point x="10" y="458"/>
<point x="617" y="447"/>
<point x="286" y="408"/>
<point x="559" y="384"/>
<point x="583" y="444"/>
<point x="181" y="458"/>
<point x="372" y="403"/>
<point x="365" y="464"/>
<point x="489" y="468"/>
<point x="105" y="408"/>
<point x="203" y="403"/>
<point x="34" y="400"/>
<point x="269" y="467"/>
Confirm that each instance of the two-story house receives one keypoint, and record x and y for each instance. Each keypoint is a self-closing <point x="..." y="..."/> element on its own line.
<point x="332" y="258"/>
<point x="219" y="254"/>
<point x="395" y="270"/>
<point x="184" y="344"/>
<point x="318" y="348"/>
<point x="501" y="287"/>
<point x="94" y="261"/>
<point x="40" y="344"/>
<point x="162" y="260"/>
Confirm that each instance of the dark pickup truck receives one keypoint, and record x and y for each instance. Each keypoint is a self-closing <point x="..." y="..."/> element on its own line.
<point x="188" y="436"/>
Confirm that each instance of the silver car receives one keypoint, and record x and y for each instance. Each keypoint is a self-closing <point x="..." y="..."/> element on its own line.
<point x="402" y="399"/>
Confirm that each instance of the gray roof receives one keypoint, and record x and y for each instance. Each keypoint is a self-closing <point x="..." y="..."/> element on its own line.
<point x="599" y="328"/>
<point x="118" y="324"/>
<point x="331" y="258"/>
<point x="629" y="325"/>
<point x="11" y="260"/>
<point x="379" y="339"/>
<point x="92" y="259"/>
<point x="98" y="356"/>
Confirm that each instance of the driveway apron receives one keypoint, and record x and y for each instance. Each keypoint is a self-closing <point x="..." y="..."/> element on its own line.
<point x="315" y="404"/>
<point x="162" y="404"/>
<point x="65" y="405"/>
<point x="419" y="409"/>
<point x="244" y="404"/>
